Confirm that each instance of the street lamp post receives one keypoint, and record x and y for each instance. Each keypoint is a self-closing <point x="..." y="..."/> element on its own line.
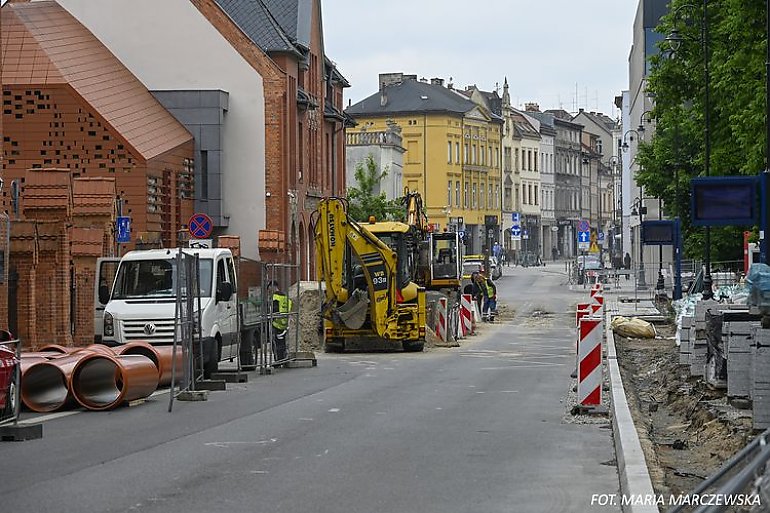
<point x="617" y="204"/>
<point x="638" y="208"/>
<point x="642" y="209"/>
<point x="675" y="40"/>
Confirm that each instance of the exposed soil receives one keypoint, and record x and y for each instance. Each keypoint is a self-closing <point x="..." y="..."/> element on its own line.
<point x="687" y="430"/>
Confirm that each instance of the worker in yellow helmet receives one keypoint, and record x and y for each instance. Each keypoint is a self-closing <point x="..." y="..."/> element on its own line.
<point x="282" y="305"/>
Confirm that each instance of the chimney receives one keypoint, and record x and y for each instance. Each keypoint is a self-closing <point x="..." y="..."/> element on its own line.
<point x="437" y="82"/>
<point x="387" y="79"/>
<point x="531" y="107"/>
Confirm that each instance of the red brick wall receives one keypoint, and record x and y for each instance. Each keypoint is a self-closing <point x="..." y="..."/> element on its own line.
<point x="52" y="280"/>
<point x="58" y="130"/>
<point x="23" y="260"/>
<point x="85" y="272"/>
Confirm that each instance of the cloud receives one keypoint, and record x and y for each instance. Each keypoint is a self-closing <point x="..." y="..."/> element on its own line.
<point x="544" y="48"/>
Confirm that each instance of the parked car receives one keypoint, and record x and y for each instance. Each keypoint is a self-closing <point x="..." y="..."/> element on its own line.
<point x="8" y="365"/>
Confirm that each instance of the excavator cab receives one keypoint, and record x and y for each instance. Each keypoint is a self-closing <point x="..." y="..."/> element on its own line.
<point x="445" y="260"/>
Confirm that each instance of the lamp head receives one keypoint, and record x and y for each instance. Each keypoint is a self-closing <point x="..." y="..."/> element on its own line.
<point x="674" y="41"/>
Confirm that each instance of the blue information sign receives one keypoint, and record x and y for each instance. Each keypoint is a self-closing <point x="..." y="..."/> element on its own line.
<point x="516" y="230"/>
<point x="516" y="217"/>
<point x="123" y="229"/>
<point x="584" y="237"/>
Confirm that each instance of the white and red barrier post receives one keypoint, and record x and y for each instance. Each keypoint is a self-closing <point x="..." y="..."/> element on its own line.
<point x="442" y="320"/>
<point x="589" y="389"/>
<point x="466" y="314"/>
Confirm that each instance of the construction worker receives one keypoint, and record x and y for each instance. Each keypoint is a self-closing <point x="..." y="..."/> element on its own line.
<point x="490" y="300"/>
<point x="479" y="289"/>
<point x="281" y="305"/>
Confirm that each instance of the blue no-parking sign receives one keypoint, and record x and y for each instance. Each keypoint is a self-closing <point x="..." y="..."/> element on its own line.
<point x="200" y="226"/>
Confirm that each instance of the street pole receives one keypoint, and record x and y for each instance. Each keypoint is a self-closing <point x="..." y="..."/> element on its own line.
<point x="708" y="292"/>
<point x="763" y="219"/>
<point x="642" y="282"/>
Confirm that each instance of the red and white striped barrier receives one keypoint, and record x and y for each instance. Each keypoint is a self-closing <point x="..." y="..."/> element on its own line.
<point x="598" y="299"/>
<point x="441" y="324"/>
<point x="589" y="390"/>
<point x="466" y="314"/>
<point x="596" y="288"/>
<point x="582" y="310"/>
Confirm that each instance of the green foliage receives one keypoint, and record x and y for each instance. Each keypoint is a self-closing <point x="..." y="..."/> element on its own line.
<point x="737" y="110"/>
<point x="363" y="200"/>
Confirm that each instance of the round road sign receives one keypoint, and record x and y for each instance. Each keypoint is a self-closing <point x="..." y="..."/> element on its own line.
<point x="200" y="226"/>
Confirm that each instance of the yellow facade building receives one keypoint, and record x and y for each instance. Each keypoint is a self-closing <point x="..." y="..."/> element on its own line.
<point x="453" y="148"/>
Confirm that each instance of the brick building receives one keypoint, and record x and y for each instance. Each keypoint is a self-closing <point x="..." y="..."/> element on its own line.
<point x="82" y="139"/>
<point x="276" y="144"/>
<point x="311" y="163"/>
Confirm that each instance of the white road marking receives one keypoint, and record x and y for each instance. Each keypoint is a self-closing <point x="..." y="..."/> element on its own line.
<point x="334" y="410"/>
<point x="228" y="444"/>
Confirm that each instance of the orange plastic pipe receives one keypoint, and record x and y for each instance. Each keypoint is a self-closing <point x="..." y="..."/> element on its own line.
<point x="103" y="382"/>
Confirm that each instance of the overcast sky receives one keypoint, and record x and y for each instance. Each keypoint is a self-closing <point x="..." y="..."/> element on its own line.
<point x="551" y="51"/>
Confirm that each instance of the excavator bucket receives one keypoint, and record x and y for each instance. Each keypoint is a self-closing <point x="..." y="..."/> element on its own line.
<point x="353" y="312"/>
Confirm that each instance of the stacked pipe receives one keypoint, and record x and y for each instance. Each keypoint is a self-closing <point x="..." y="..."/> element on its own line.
<point x="95" y="377"/>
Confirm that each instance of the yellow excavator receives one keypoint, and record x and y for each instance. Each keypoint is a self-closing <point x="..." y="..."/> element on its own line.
<point x="434" y="258"/>
<point x="370" y="295"/>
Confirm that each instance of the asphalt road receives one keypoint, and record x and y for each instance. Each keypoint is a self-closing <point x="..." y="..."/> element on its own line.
<point x="479" y="428"/>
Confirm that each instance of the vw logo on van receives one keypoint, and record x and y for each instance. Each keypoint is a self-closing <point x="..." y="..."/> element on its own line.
<point x="149" y="328"/>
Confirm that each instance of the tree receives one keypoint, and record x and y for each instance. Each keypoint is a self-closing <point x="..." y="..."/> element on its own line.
<point x="736" y="106"/>
<point x="363" y="200"/>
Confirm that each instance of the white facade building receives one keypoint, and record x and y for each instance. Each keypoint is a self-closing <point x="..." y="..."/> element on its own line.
<point x="181" y="58"/>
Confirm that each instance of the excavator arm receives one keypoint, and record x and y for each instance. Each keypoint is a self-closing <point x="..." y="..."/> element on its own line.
<point x="335" y="232"/>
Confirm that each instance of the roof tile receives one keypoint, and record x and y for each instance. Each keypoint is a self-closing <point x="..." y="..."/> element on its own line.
<point x="56" y="49"/>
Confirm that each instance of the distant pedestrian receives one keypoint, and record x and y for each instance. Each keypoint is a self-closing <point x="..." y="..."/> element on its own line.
<point x="554" y="253"/>
<point x="627" y="264"/>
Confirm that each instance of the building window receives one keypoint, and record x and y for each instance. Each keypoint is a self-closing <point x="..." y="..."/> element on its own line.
<point x="483" y="156"/>
<point x="529" y="193"/>
<point x="449" y="194"/>
<point x="457" y="193"/>
<point x="474" y="158"/>
<point x="497" y="196"/>
<point x="457" y="156"/>
<point x="449" y="153"/>
<point x="467" y="154"/>
<point x="465" y="197"/>
<point x="490" y="200"/>
<point x="474" y="202"/>
<point x="536" y="161"/>
<point x="537" y="196"/>
<point x="516" y="160"/>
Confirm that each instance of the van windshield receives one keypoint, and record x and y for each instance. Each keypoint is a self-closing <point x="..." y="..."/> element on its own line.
<point x="155" y="279"/>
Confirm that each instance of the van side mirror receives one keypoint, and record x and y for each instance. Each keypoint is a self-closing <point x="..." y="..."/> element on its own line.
<point x="104" y="294"/>
<point x="224" y="291"/>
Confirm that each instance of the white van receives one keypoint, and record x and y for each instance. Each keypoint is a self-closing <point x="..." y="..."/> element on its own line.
<point x="142" y="302"/>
